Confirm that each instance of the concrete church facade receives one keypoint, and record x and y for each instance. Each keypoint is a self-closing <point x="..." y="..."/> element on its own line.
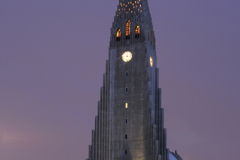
<point x="130" y="120"/>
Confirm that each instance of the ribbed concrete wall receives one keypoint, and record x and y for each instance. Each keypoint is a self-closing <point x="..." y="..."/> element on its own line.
<point x="143" y="137"/>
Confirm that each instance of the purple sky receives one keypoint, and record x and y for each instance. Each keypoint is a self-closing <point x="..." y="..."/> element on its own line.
<point x="52" y="57"/>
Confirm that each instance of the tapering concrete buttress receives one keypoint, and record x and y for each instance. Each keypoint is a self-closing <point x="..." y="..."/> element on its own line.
<point x="130" y="120"/>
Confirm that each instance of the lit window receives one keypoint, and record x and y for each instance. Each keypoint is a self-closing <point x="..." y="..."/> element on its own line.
<point x="126" y="105"/>
<point x="151" y="61"/>
<point x="118" y="34"/>
<point x="128" y="29"/>
<point x="125" y="136"/>
<point x="137" y="31"/>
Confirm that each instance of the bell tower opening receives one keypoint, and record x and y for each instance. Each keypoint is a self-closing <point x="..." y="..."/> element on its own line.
<point x="128" y="29"/>
<point x="137" y="31"/>
<point x="118" y="35"/>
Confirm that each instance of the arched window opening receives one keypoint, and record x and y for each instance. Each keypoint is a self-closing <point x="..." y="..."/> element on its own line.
<point x="118" y="35"/>
<point x="137" y="31"/>
<point x="128" y="29"/>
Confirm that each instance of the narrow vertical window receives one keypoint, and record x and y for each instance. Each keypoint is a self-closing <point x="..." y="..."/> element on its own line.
<point x="151" y="61"/>
<point x="148" y="35"/>
<point x="125" y="151"/>
<point x="125" y="136"/>
<point x="126" y="120"/>
<point x="137" y="31"/>
<point x="126" y="90"/>
<point x="118" y="34"/>
<point x="126" y="105"/>
<point x="128" y="29"/>
<point x="126" y="74"/>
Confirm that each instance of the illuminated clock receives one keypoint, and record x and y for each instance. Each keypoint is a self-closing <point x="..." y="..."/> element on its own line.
<point x="127" y="56"/>
<point x="151" y="61"/>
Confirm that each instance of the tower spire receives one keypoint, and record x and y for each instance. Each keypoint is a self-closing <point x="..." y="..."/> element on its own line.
<point x="137" y="12"/>
<point x="129" y="124"/>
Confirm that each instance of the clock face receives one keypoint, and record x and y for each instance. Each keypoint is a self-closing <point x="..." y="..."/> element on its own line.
<point x="127" y="56"/>
<point x="151" y="61"/>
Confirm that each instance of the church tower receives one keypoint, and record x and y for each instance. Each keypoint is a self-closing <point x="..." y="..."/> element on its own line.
<point x="129" y="124"/>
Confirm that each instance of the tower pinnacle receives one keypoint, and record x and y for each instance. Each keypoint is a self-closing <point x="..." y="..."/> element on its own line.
<point x="135" y="14"/>
<point x="129" y="125"/>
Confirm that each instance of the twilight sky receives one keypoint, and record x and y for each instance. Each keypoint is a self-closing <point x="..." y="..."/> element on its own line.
<point x="52" y="57"/>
